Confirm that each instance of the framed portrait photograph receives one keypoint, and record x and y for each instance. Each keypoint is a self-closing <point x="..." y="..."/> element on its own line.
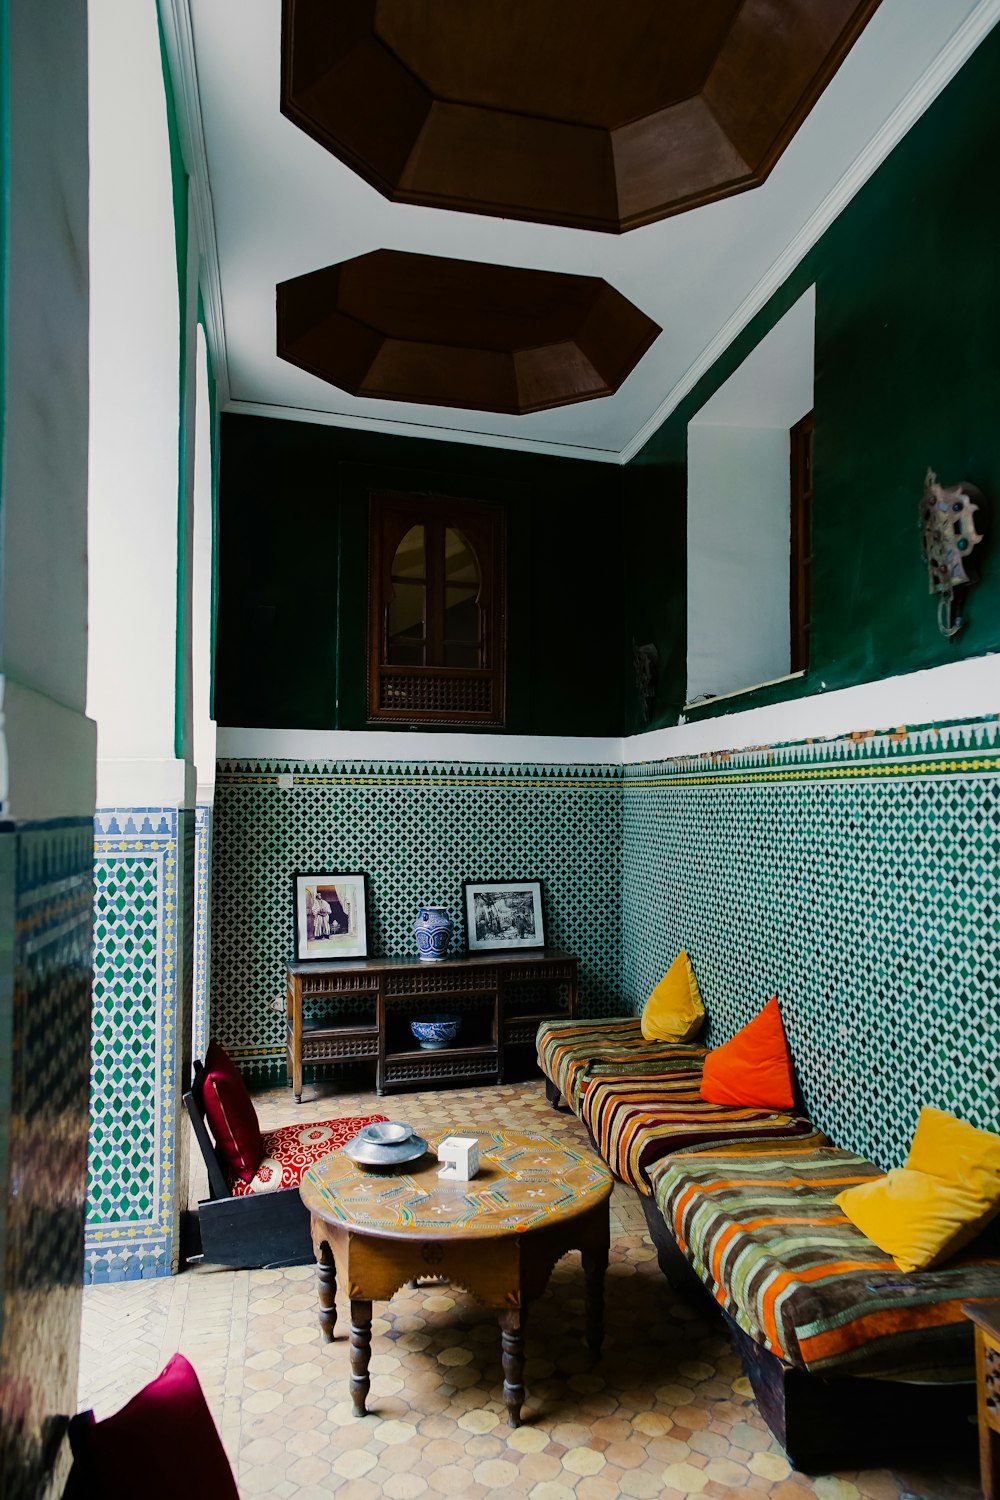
<point x="502" y="914"/>
<point x="331" y="916"/>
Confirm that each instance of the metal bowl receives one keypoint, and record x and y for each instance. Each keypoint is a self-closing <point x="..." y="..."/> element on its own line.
<point x="369" y="1154"/>
<point x="385" y="1133"/>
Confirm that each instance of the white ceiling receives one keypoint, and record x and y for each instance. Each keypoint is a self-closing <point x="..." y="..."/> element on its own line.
<point x="282" y="205"/>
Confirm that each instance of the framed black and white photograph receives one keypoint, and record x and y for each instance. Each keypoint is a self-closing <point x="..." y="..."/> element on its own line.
<point x="501" y="914"/>
<point x="331" y="916"/>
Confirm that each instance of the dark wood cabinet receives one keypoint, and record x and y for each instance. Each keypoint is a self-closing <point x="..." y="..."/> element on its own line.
<point x="362" y="1008"/>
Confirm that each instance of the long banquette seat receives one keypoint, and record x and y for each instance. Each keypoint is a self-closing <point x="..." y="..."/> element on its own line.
<point x="847" y="1356"/>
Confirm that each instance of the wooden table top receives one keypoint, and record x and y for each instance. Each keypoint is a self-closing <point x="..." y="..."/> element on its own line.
<point x="986" y="1315"/>
<point x="523" y="1180"/>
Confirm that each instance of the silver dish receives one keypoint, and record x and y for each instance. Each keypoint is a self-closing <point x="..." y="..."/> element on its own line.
<point x="370" y="1154"/>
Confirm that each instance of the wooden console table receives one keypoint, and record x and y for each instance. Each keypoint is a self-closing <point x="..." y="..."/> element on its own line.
<point x="361" y="1008"/>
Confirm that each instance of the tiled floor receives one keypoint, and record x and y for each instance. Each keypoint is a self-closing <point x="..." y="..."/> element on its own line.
<point x="666" y="1413"/>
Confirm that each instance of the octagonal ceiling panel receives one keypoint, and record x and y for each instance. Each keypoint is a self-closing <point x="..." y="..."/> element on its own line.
<point x="403" y="327"/>
<point x="573" y="112"/>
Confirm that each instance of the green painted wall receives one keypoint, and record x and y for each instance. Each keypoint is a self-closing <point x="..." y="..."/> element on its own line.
<point x="907" y="376"/>
<point x="293" y="573"/>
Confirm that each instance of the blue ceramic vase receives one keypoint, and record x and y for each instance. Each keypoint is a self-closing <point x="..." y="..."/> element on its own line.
<point x="432" y="930"/>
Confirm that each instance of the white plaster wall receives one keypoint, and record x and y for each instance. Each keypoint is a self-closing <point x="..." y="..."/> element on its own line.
<point x="738" y="511"/>
<point x="47" y="744"/>
<point x="134" y="384"/>
<point x="381" y="744"/>
<point x="201" y="600"/>
<point x="738" y="557"/>
<point x="961" y="690"/>
<point x="185" y="623"/>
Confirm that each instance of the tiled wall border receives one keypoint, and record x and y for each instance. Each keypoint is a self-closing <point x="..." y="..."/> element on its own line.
<point x="120" y="1248"/>
<point x="201" y="1023"/>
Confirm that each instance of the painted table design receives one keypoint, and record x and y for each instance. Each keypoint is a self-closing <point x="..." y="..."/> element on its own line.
<point x="497" y="1236"/>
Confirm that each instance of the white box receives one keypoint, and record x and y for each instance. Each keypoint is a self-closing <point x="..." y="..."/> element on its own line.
<point x="460" y="1153"/>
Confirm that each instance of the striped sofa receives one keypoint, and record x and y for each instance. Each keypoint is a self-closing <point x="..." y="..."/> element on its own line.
<point x="571" y="1053"/>
<point x="845" y="1352"/>
<point x="766" y="1238"/>
<point x="641" y="1101"/>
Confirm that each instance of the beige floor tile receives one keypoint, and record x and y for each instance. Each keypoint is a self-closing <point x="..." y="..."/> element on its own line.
<point x="665" y="1415"/>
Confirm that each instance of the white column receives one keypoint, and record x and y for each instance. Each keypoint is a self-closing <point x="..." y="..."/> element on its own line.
<point x="134" y="383"/>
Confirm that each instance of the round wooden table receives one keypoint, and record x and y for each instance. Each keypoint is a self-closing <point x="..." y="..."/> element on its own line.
<point x="498" y="1236"/>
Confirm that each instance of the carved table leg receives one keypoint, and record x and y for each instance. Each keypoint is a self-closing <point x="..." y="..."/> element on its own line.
<point x="361" y="1349"/>
<point x="595" y="1263"/>
<point x="326" y="1275"/>
<point x="512" y="1340"/>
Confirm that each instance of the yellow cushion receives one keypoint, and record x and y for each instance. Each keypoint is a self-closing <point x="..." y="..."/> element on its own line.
<point x="957" y="1152"/>
<point x="917" y="1219"/>
<point x="674" y="1011"/>
<point x="948" y="1191"/>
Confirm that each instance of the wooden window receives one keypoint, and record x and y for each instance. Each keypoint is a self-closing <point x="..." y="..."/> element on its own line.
<point x="436" y="611"/>
<point x="801" y="549"/>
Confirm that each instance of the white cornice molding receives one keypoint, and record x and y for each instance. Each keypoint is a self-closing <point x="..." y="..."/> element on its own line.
<point x="178" y="36"/>
<point x="415" y="745"/>
<point x="415" y="429"/>
<point x="955" y="693"/>
<point x="146" y="782"/>
<point x="943" y="69"/>
<point x="47" y="756"/>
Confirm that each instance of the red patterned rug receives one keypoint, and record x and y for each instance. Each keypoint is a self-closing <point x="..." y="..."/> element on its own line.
<point x="293" y="1148"/>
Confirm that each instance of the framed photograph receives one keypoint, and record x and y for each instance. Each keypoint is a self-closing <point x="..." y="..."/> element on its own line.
<point x="331" y="916"/>
<point x="502" y="914"/>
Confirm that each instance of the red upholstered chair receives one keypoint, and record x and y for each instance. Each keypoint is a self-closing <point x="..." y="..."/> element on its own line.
<point x="254" y="1215"/>
<point x="136" y="1451"/>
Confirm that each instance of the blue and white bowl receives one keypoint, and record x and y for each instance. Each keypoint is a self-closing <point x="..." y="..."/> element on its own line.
<point x="436" y="1031"/>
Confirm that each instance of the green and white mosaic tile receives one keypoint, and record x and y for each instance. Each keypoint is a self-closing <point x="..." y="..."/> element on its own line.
<point x="418" y="830"/>
<point x="857" y="879"/>
<point x="139" y="858"/>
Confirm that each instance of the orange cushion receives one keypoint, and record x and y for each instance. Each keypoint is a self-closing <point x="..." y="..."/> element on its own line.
<point x="753" y="1068"/>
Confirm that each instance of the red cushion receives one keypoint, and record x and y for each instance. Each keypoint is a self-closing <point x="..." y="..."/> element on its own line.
<point x="161" y="1445"/>
<point x="289" y="1151"/>
<point x="754" y="1067"/>
<point x="231" y="1115"/>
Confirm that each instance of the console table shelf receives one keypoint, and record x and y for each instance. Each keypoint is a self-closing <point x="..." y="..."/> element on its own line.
<point x="486" y="990"/>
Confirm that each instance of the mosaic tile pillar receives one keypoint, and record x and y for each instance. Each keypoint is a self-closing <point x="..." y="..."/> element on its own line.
<point x="201" y="1020"/>
<point x="144" y="875"/>
<point x="45" y="906"/>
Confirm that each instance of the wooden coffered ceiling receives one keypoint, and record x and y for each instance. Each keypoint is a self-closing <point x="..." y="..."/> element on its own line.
<point x="579" y="112"/>
<point x="274" y="205"/>
<point x="404" y="327"/>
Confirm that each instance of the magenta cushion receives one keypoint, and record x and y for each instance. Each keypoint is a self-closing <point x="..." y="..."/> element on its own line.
<point x="231" y="1115"/>
<point x="161" y="1445"/>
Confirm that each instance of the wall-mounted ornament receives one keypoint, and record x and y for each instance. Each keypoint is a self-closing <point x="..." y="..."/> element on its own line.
<point x="948" y="536"/>
<point x="646" y="661"/>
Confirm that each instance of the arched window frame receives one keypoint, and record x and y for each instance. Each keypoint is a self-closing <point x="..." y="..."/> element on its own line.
<point x="435" y="693"/>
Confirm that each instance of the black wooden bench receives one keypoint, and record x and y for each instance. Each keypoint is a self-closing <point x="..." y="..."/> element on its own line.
<point x="247" y="1232"/>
